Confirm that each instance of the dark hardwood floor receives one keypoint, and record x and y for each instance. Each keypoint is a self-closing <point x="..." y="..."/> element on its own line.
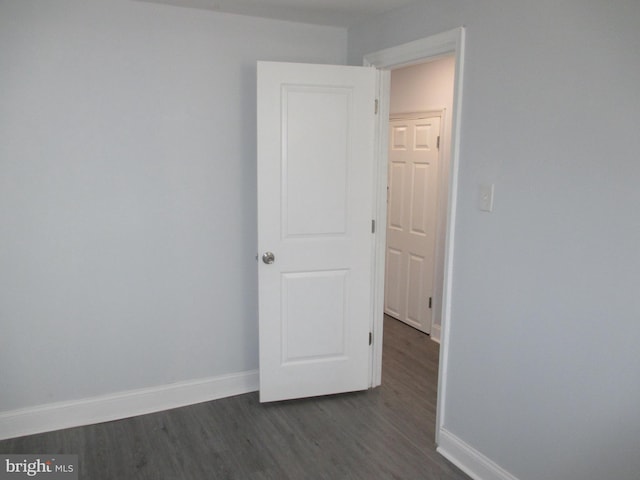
<point x="384" y="433"/>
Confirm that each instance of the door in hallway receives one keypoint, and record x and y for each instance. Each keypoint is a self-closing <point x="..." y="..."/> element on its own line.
<point x="411" y="219"/>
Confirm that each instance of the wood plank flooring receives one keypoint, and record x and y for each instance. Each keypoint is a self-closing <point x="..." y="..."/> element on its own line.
<point x="384" y="433"/>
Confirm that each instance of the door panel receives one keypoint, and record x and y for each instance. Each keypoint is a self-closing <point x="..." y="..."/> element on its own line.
<point x="413" y="173"/>
<point x="396" y="205"/>
<point x="420" y="198"/>
<point x="393" y="282"/>
<point x="314" y="173"/>
<point x="315" y="201"/>
<point x="415" y="287"/>
<point x="313" y="328"/>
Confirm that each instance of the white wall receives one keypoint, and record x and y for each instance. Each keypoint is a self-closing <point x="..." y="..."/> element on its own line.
<point x="419" y="88"/>
<point x="543" y="374"/>
<point x="427" y="86"/>
<point x="127" y="193"/>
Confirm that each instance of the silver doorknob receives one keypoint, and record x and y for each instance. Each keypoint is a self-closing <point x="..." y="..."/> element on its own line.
<point x="268" y="258"/>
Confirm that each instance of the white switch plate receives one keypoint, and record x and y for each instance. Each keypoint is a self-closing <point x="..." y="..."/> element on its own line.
<point x="486" y="197"/>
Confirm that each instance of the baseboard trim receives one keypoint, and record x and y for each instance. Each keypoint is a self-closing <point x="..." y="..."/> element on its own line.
<point x="469" y="460"/>
<point x="436" y="333"/>
<point x="56" y="416"/>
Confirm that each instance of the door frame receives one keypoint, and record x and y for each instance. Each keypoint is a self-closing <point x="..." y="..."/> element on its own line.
<point x="412" y="53"/>
<point x="437" y="257"/>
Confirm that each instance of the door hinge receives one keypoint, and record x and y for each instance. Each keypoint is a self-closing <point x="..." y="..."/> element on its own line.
<point x="438" y="143"/>
<point x="430" y="301"/>
<point x="375" y="107"/>
<point x="370" y="338"/>
<point x="373" y="226"/>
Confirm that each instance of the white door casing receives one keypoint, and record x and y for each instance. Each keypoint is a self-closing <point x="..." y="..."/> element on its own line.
<point x="418" y="51"/>
<point x="316" y="128"/>
<point x="411" y="220"/>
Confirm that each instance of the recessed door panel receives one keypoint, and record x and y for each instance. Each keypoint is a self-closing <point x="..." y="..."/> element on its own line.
<point x="423" y="136"/>
<point x="313" y="327"/>
<point x="415" y="294"/>
<point x="396" y="181"/>
<point x="399" y="137"/>
<point x="420" y="197"/>
<point x="315" y="151"/>
<point x="393" y="297"/>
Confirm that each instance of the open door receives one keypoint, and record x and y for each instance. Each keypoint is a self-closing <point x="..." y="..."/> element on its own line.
<point x="316" y="127"/>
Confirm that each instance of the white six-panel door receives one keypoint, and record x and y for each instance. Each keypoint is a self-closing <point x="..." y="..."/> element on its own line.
<point x="411" y="219"/>
<point x="315" y="203"/>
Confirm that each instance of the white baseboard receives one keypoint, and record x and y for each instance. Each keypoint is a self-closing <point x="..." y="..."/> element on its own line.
<point x="435" y="333"/>
<point x="56" y="416"/>
<point x="469" y="460"/>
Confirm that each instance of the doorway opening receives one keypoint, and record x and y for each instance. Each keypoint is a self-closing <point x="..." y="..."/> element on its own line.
<point x="421" y="52"/>
<point x="421" y="101"/>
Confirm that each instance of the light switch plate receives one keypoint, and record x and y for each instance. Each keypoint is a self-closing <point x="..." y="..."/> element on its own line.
<point x="486" y="197"/>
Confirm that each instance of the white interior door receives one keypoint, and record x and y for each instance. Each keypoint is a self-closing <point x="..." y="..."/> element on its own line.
<point x="315" y="205"/>
<point x="411" y="219"/>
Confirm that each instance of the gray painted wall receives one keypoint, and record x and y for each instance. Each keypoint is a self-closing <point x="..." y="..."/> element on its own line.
<point x="543" y="376"/>
<point x="127" y="192"/>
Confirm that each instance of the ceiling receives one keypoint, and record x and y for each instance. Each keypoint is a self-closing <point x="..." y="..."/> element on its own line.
<point x="338" y="13"/>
